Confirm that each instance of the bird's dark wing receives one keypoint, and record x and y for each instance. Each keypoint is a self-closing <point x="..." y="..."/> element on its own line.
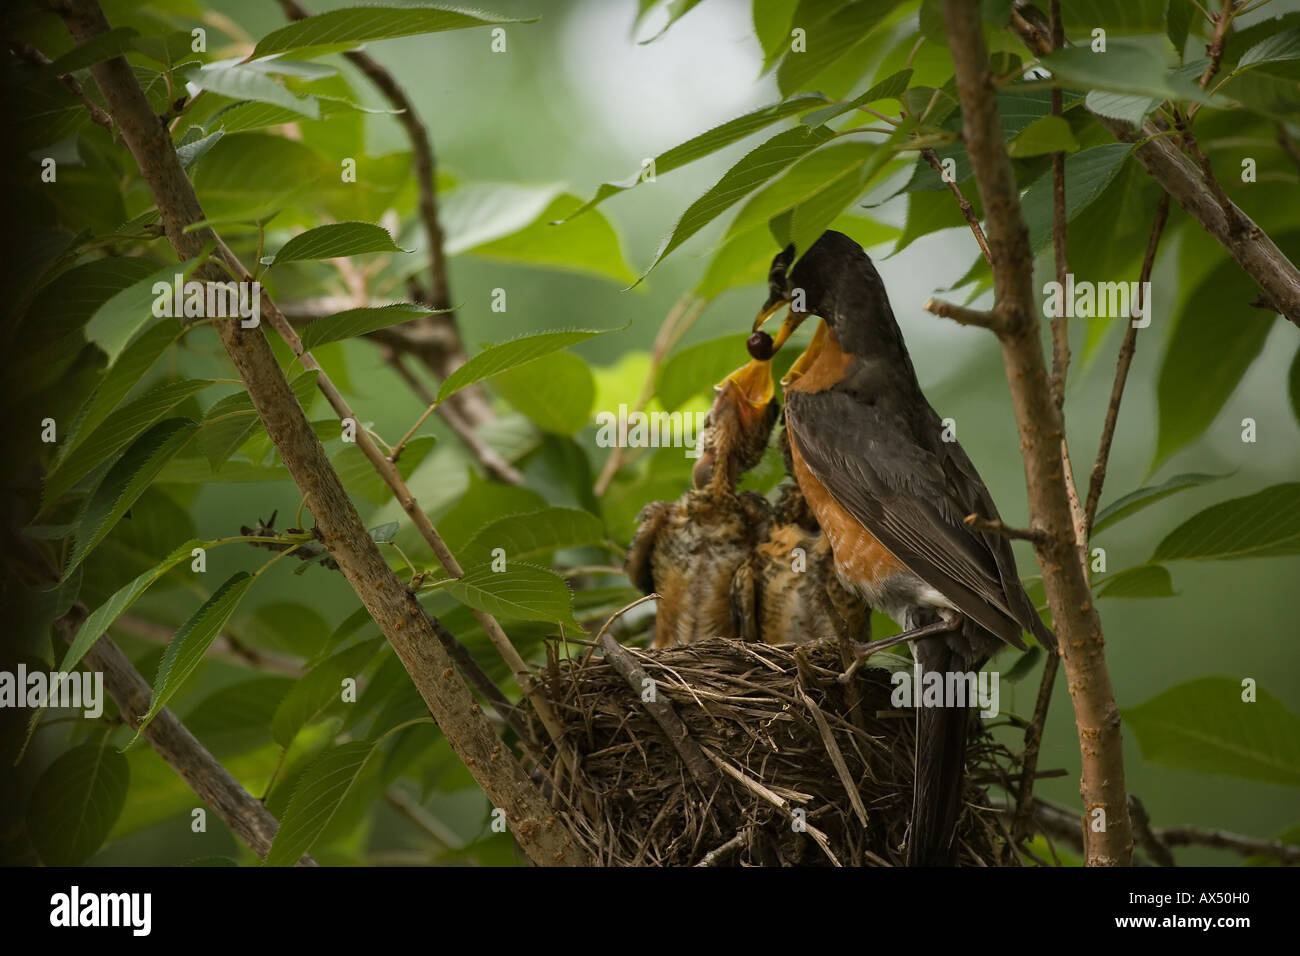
<point x="974" y="495"/>
<point x="898" y="490"/>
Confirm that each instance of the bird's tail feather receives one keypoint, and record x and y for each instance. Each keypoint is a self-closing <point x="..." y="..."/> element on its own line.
<point x="941" y="736"/>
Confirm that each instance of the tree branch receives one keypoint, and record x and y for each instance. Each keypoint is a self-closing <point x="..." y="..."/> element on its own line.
<point x="241" y="811"/>
<point x="442" y="362"/>
<point x="1243" y="239"/>
<point x="1039" y="421"/>
<point x="542" y="833"/>
<point x="1122" y="363"/>
<point x="967" y="210"/>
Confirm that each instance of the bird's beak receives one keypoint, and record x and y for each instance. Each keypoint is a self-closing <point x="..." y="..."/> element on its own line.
<point x="752" y="382"/>
<point x="792" y="321"/>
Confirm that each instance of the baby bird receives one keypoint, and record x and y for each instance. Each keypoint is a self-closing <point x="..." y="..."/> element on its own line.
<point x="689" y="550"/>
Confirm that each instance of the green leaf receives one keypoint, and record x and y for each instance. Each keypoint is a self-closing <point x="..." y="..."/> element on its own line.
<point x="828" y="39"/>
<point x="360" y="478"/>
<point x="352" y="26"/>
<point x="356" y="322"/>
<point x="242" y="83"/>
<point x="757" y="167"/>
<point x="1121" y="106"/>
<point x="75" y="803"/>
<point x="1216" y="338"/>
<point x="1178" y="22"/>
<point x="192" y="641"/>
<point x="1144" y="581"/>
<point x="169" y="49"/>
<point x="1087" y="174"/>
<point x="131" y="365"/>
<point x="809" y="176"/>
<point x="241" y="117"/>
<point x="708" y="142"/>
<point x="117" y="431"/>
<point x="1275" y="49"/>
<point x="1259" y="83"/>
<point x="232" y="420"/>
<point x="318" y="689"/>
<point x="1134" y="65"/>
<point x="522" y="591"/>
<point x="533" y="535"/>
<point x="1204" y="725"/>
<point x="1051" y="134"/>
<point x="555" y="392"/>
<point x="696" y="369"/>
<point x="890" y="88"/>
<point x="102" y="617"/>
<point x="335" y="240"/>
<point x="126" y="481"/>
<point x="1135" y="501"/>
<point x="555" y="241"/>
<point x="1264" y="524"/>
<point x="191" y="152"/>
<point x="97" y="49"/>
<point x="117" y="321"/>
<point x="316" y="798"/>
<point x="237" y="719"/>
<point x="511" y="354"/>
<point x="1024" y="665"/>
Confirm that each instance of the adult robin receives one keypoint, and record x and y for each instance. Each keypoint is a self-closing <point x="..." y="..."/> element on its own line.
<point x="891" y="493"/>
<point x="689" y="550"/>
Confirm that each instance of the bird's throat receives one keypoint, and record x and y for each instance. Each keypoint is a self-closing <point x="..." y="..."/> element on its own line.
<point x="821" y="366"/>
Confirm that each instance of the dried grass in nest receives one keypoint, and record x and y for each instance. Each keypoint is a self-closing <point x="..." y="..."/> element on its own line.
<point x="776" y="733"/>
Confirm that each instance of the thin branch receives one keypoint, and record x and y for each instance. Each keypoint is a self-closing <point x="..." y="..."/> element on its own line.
<point x="1287" y="853"/>
<point x="1146" y="837"/>
<point x="1122" y="364"/>
<point x="470" y="402"/>
<point x="543" y="834"/>
<point x="246" y="816"/>
<point x="487" y="456"/>
<point x="659" y="708"/>
<point x="1060" y="324"/>
<point x="1185" y="182"/>
<point x="1041" y="430"/>
<point x="967" y="210"/>
<point x="34" y="56"/>
<point x="976" y="523"/>
<point x="1033" y="741"/>
<point x="1221" y="24"/>
<point x="226" y="645"/>
<point x="962" y="315"/>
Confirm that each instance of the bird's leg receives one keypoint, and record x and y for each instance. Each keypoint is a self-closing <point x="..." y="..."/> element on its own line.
<point x="864" y="651"/>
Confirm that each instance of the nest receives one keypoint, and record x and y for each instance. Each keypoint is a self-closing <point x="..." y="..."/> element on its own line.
<point x="775" y="762"/>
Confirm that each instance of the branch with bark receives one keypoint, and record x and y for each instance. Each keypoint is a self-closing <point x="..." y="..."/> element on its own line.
<point x="541" y="831"/>
<point x="242" y="812"/>
<point x="1187" y="184"/>
<point x="1041" y="430"/>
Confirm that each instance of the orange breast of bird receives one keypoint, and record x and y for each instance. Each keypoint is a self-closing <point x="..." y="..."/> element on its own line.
<point x="859" y="557"/>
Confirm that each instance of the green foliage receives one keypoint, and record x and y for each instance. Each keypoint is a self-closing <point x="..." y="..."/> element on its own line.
<point x="1264" y="524"/>
<point x="1206" y="725"/>
<point x="512" y="354"/>
<point x="191" y="642"/>
<point x="335" y="240"/>
<point x="352" y="26"/>
<point x="75" y="803"/>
